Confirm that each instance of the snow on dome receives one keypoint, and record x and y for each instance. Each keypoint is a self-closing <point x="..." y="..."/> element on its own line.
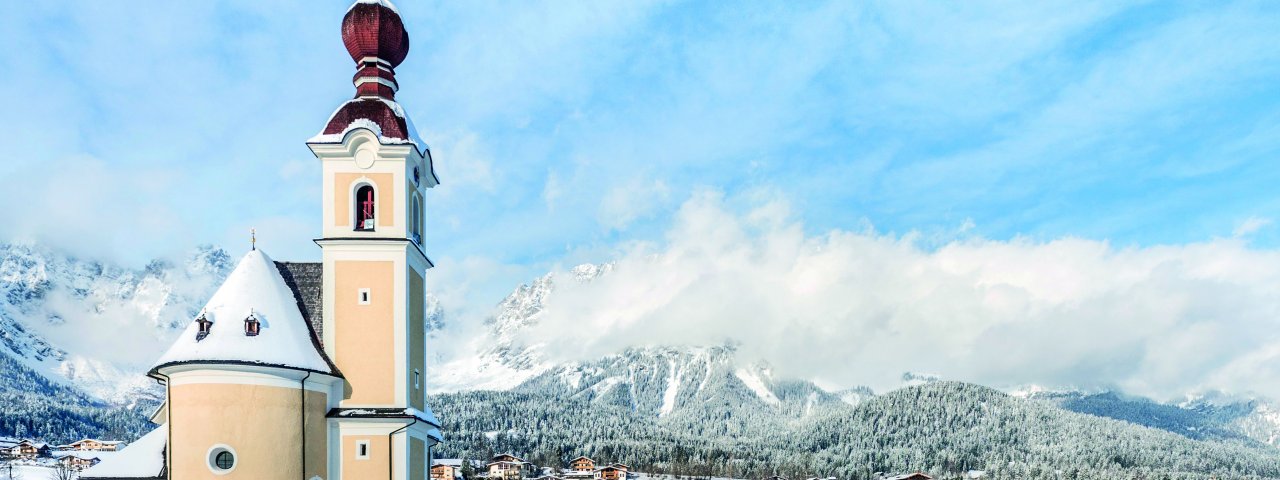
<point x="385" y="118"/>
<point x="284" y="338"/>
<point x="141" y="459"/>
<point x="385" y="3"/>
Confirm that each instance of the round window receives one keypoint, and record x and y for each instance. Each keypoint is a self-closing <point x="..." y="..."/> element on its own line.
<point x="222" y="459"/>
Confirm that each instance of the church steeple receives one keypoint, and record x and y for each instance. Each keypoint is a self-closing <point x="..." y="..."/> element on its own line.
<point x="375" y="37"/>
<point x="376" y="172"/>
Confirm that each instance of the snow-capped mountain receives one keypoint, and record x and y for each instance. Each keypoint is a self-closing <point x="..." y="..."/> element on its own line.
<point x="663" y="382"/>
<point x="96" y="326"/>
<point x="1202" y="416"/>
<point x="75" y="336"/>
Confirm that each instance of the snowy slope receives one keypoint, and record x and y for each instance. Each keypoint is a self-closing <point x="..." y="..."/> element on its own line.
<point x="496" y="359"/>
<point x="96" y="326"/>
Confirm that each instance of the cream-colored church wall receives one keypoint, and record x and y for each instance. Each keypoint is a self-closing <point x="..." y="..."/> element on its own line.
<point x="407" y="456"/>
<point x="375" y="466"/>
<point x="417" y="341"/>
<point x="343" y="189"/>
<point x="365" y="334"/>
<point x="361" y="158"/>
<point x="262" y="424"/>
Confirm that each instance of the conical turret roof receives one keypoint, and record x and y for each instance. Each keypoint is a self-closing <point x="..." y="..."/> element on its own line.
<point x="255" y="288"/>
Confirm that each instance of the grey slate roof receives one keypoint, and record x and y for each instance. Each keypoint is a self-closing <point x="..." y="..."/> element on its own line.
<point x="306" y="280"/>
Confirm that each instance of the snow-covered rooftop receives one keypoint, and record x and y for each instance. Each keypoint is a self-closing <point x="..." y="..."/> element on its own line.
<point x="141" y="459"/>
<point x="85" y="454"/>
<point x="384" y="136"/>
<point x="254" y="287"/>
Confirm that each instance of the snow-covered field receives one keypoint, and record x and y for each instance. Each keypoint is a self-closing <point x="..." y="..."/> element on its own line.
<point x="28" y="472"/>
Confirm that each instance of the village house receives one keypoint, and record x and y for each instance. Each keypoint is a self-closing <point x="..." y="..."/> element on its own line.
<point x="93" y="445"/>
<point x="911" y="476"/>
<point x="582" y="464"/>
<point x="315" y="370"/>
<point x="451" y="468"/>
<point x="506" y="467"/>
<point x="611" y="472"/>
<point x="7" y="443"/>
<point x="446" y="470"/>
<point x="28" y="449"/>
<point x="81" y="459"/>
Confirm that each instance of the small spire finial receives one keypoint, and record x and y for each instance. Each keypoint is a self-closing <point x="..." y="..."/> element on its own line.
<point x="253" y="239"/>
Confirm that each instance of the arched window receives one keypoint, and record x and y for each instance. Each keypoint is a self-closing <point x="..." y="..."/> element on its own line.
<point x="365" y="208"/>
<point x="415" y="230"/>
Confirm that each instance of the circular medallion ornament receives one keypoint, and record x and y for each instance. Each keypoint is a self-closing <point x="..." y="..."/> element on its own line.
<point x="365" y="158"/>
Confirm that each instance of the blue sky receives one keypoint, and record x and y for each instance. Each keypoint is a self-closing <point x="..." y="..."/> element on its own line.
<point x="563" y="128"/>
<point x="567" y="132"/>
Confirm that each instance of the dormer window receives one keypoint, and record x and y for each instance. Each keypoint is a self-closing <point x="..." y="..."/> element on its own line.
<point x="365" y="209"/>
<point x="202" y="326"/>
<point x="251" y="325"/>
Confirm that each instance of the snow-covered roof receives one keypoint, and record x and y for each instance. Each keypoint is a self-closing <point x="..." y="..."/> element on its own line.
<point x="388" y="132"/>
<point x="85" y="454"/>
<point x="141" y="459"/>
<point x="255" y="288"/>
<point x="104" y="442"/>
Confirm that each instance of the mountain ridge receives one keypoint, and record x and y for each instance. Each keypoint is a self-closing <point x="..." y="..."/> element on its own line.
<point x="665" y="396"/>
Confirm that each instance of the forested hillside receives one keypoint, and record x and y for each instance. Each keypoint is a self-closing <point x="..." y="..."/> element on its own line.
<point x="945" y="428"/>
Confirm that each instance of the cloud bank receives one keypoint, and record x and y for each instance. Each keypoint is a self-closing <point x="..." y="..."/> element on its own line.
<point x="862" y="307"/>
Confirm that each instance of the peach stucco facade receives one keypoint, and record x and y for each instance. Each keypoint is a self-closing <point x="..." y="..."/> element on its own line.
<point x="364" y="336"/>
<point x="344" y="186"/>
<point x="257" y="422"/>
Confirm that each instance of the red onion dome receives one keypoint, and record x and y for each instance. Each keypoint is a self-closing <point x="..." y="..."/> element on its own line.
<point x="372" y="28"/>
<point x="392" y="124"/>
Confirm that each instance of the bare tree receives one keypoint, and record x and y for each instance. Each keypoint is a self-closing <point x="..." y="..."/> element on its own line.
<point x="62" y="471"/>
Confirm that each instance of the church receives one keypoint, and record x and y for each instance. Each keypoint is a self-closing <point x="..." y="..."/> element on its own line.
<point x="315" y="371"/>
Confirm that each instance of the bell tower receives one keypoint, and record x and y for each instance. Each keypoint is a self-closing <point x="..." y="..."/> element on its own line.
<point x="376" y="172"/>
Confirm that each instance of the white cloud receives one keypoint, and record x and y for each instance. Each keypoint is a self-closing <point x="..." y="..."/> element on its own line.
<point x="82" y="205"/>
<point x="861" y="308"/>
<point x="469" y="165"/>
<point x="628" y="202"/>
<point x="1250" y="226"/>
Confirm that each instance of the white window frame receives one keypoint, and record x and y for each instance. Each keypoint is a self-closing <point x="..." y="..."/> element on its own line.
<point x="353" y="208"/>
<point x="212" y="454"/>
<point x="367" y="450"/>
<point x="364" y="296"/>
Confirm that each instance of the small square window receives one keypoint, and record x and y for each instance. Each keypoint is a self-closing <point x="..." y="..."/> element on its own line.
<point x="363" y="298"/>
<point x="362" y="449"/>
